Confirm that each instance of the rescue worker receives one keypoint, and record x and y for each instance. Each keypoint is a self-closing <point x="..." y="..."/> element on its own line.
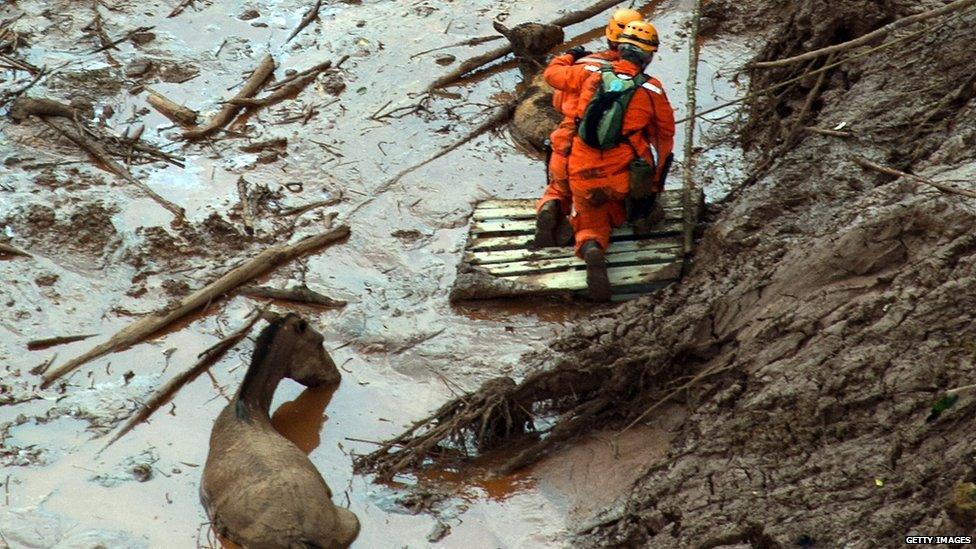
<point x="601" y="178"/>
<point x="552" y="226"/>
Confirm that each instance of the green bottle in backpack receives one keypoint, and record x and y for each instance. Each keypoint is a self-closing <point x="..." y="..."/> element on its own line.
<point x="602" y="124"/>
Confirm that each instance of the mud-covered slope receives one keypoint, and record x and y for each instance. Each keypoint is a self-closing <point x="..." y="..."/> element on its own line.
<point x="827" y="309"/>
<point x="829" y="306"/>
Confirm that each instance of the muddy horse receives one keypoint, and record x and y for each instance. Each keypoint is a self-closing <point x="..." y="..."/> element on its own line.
<point x="259" y="489"/>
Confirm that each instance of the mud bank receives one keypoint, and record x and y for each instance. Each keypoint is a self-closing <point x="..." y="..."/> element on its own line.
<point x="828" y="309"/>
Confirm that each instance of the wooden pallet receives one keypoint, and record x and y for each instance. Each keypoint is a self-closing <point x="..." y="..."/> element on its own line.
<point x="498" y="261"/>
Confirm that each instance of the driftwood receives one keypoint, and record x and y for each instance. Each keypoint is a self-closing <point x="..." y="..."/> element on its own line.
<point x="246" y="214"/>
<point x="298" y="294"/>
<point x="867" y="164"/>
<point x="298" y="210"/>
<point x="39" y="344"/>
<point x="100" y="154"/>
<point x="179" y="8"/>
<point x="179" y="114"/>
<point x="165" y="393"/>
<point x="868" y="38"/>
<point x="145" y="327"/>
<point x="476" y="41"/>
<point x="258" y="146"/>
<point x="230" y="110"/>
<point x="125" y="37"/>
<point x="325" y="65"/>
<point x="477" y="61"/>
<point x="292" y="89"/>
<point x="55" y="115"/>
<point x="12" y="250"/>
<point x="309" y="16"/>
<point x="829" y="132"/>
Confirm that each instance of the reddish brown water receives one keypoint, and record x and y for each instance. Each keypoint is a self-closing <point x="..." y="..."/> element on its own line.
<point x="402" y="348"/>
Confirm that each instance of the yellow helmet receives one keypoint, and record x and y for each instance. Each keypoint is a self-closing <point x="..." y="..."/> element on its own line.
<point x="641" y="34"/>
<point x="619" y="21"/>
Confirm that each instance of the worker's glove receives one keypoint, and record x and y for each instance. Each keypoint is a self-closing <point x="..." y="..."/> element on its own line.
<point x="597" y="198"/>
<point x="578" y="52"/>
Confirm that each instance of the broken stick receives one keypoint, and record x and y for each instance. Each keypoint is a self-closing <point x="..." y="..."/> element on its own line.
<point x="179" y="114"/>
<point x="292" y="89"/>
<point x="246" y="214"/>
<point x="865" y="163"/>
<point x="298" y="294"/>
<point x="39" y="344"/>
<point x="868" y="38"/>
<point x="163" y="395"/>
<point x="309" y="16"/>
<point x="147" y="326"/>
<point x="12" y="250"/>
<point x="100" y="154"/>
<point x="230" y="110"/>
<point x="298" y="210"/>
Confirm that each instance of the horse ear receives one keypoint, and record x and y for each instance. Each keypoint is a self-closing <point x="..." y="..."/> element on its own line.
<point x="502" y="29"/>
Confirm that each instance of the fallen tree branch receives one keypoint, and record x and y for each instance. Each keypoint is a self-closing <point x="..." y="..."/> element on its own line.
<point x="51" y="112"/>
<point x="165" y="393"/>
<point x="179" y="114"/>
<point x="325" y="65"/>
<point x="868" y="38"/>
<point x="298" y="210"/>
<point x="298" y="294"/>
<point x="125" y="37"/>
<point x="12" y="250"/>
<point x="688" y="179"/>
<point x="473" y="63"/>
<point x="309" y="16"/>
<point x="100" y="154"/>
<point x="292" y="89"/>
<point x="39" y="344"/>
<point x="476" y="41"/>
<point x="230" y="110"/>
<point x="179" y="8"/>
<point x="829" y="132"/>
<point x="145" y="327"/>
<point x="865" y="163"/>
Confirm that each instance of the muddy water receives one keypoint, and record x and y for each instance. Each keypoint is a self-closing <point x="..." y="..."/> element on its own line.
<point x="402" y="348"/>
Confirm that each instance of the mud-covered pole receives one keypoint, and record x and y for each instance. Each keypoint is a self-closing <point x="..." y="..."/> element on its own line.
<point x="689" y="154"/>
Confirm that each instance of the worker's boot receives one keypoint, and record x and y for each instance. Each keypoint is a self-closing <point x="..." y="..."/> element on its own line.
<point x="564" y="232"/>
<point x="545" y="224"/>
<point x="645" y="225"/>
<point x="597" y="279"/>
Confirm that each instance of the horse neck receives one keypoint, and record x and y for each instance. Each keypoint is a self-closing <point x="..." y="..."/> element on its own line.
<point x="258" y="388"/>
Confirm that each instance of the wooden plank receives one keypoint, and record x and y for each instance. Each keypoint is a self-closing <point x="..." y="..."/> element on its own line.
<point x="670" y="197"/>
<point x="495" y="243"/>
<point x="648" y="258"/>
<point x="512" y="214"/>
<point x="619" y="277"/>
<point x="508" y="256"/>
<point x="526" y="226"/>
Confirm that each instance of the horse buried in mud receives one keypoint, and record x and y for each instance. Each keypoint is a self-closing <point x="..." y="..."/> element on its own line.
<point x="259" y="490"/>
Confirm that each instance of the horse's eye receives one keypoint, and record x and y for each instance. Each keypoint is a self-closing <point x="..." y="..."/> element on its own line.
<point x="302" y="326"/>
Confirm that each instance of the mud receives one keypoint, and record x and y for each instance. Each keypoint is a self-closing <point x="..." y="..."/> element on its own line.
<point x="104" y="254"/>
<point x="828" y="307"/>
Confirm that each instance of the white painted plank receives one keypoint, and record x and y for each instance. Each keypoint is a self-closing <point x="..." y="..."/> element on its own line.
<point x="524" y="254"/>
<point x="640" y="258"/>
<point x="619" y="277"/>
<point x="486" y="243"/>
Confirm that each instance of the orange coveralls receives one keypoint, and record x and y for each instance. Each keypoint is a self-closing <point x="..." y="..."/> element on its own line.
<point x="648" y="122"/>
<point x="565" y="102"/>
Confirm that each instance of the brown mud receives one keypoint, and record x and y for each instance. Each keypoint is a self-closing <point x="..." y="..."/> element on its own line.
<point x="104" y="254"/>
<point x="829" y="308"/>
